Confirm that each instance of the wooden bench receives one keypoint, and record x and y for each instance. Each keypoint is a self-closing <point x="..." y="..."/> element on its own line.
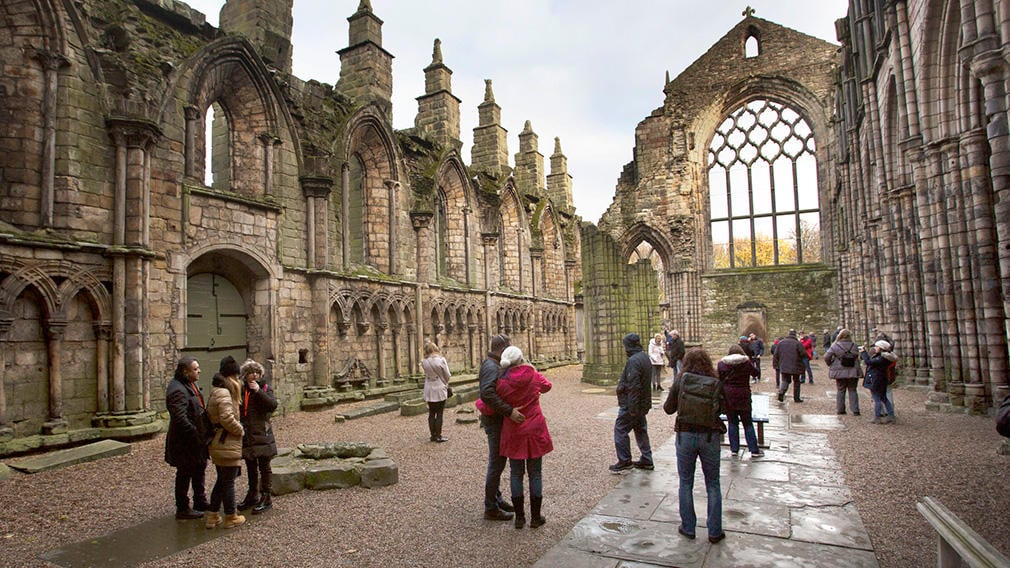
<point x="759" y="404"/>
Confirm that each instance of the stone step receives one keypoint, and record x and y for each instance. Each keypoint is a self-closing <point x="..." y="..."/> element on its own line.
<point x="370" y="410"/>
<point x="72" y="456"/>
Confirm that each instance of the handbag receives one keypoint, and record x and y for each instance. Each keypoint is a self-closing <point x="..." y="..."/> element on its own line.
<point x="448" y="391"/>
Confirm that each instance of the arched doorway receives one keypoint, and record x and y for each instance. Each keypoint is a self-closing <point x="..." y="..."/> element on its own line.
<point x="215" y="323"/>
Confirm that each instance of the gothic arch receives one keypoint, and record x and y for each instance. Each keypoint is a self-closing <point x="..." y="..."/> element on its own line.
<point x="454" y="221"/>
<point x="553" y="270"/>
<point x="642" y="232"/>
<point x="514" y="240"/>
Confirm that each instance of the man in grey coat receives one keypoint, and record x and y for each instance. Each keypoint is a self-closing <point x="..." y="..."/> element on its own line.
<point x="789" y="359"/>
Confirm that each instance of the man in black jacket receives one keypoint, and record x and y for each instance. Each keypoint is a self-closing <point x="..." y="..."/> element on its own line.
<point x="495" y="508"/>
<point x="789" y="358"/>
<point x="185" y="447"/>
<point x="634" y="400"/>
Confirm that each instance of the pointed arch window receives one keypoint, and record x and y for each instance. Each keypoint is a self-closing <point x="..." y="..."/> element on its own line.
<point x="763" y="190"/>
<point x="441" y="234"/>
<point x="645" y="251"/>
<point x="752" y="46"/>
<point x="217" y="158"/>
<point x="356" y="211"/>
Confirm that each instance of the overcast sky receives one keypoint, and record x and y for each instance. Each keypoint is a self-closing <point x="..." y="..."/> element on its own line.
<point x="587" y="71"/>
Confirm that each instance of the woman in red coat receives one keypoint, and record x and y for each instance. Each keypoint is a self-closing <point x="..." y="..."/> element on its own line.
<point x="524" y="444"/>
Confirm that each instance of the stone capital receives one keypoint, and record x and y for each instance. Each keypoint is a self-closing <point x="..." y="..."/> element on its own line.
<point x="191" y="112"/>
<point x="421" y="219"/>
<point x="51" y="60"/>
<point x="316" y="186"/>
<point x="132" y="133"/>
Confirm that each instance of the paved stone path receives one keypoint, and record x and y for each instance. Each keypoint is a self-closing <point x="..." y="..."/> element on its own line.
<point x="790" y="508"/>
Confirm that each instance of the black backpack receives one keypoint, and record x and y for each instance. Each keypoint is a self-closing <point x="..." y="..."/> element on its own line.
<point x="848" y="359"/>
<point x="699" y="401"/>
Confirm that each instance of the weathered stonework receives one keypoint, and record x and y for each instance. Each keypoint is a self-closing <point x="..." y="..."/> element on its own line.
<point x="308" y="234"/>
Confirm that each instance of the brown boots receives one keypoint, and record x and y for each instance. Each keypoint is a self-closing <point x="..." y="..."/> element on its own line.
<point x="230" y="521"/>
<point x="536" y="518"/>
<point x="213" y="519"/>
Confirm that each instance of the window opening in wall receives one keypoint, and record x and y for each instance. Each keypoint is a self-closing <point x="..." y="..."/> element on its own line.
<point x="751" y="47"/>
<point x="441" y="235"/>
<point x="303" y="356"/>
<point x="356" y="210"/>
<point x="217" y="159"/>
<point x="645" y="251"/>
<point x="763" y="188"/>
<point x="501" y="252"/>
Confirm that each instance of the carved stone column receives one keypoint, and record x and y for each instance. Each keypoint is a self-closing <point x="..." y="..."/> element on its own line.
<point x="381" y="377"/>
<point x="103" y="333"/>
<point x="925" y="201"/>
<point x="133" y="139"/>
<point x="391" y="188"/>
<point x="192" y="115"/>
<point x="6" y="320"/>
<point x="490" y="242"/>
<point x="54" y="335"/>
<point x="317" y="192"/>
<point x="51" y="65"/>
<point x="421" y="221"/>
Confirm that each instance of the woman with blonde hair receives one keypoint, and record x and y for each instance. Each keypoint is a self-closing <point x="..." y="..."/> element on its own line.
<point x="657" y="348"/>
<point x="226" y="445"/>
<point x="436" y="388"/>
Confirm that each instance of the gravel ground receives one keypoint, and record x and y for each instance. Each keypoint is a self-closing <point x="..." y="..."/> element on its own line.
<point x="433" y="515"/>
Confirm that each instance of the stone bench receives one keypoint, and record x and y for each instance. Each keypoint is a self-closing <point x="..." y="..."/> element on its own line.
<point x="758" y="414"/>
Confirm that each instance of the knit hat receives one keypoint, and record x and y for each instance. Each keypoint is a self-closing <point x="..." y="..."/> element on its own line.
<point x="792" y="333"/>
<point x="499" y="343"/>
<point x="882" y="345"/>
<point x="229" y="367"/>
<point x="631" y="341"/>
<point x="511" y="357"/>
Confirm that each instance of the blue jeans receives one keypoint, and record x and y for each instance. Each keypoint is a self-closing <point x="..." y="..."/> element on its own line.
<point x="224" y="489"/>
<point x="690" y="447"/>
<point x="533" y="466"/>
<point x="622" y="442"/>
<point x="881" y="404"/>
<point x="810" y="372"/>
<point x="734" y="418"/>
<point x="495" y="462"/>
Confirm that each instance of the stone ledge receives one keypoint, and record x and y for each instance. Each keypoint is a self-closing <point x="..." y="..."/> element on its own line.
<point x="72" y="456"/>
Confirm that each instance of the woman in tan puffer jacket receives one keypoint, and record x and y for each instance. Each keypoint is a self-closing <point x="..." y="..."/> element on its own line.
<point x="226" y="446"/>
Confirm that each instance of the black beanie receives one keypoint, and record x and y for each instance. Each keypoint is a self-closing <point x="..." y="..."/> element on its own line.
<point x="229" y="367"/>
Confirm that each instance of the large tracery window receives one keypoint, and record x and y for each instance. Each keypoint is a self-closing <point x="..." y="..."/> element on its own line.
<point x="644" y="251"/>
<point x="763" y="188"/>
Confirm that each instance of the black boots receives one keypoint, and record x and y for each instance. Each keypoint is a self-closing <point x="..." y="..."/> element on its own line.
<point x="517" y="502"/>
<point x="536" y="519"/>
<point x="252" y="499"/>
<point x="264" y="505"/>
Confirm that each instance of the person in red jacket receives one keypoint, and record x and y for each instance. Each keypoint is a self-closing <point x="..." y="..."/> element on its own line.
<point x="807" y="341"/>
<point x="526" y="443"/>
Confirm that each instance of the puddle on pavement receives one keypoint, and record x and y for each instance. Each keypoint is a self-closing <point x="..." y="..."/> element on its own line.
<point x="145" y="542"/>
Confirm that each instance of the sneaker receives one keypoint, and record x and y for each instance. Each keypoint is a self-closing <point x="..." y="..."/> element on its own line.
<point x="621" y="466"/>
<point x="855" y="414"/>
<point x="877" y="420"/>
<point x="644" y="465"/>
<point x="757" y="454"/>
<point x="734" y="454"/>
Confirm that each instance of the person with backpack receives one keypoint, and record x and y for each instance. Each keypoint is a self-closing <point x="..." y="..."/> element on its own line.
<point x="877" y="359"/>
<point x="698" y="398"/>
<point x="634" y="400"/>
<point x="842" y="359"/>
